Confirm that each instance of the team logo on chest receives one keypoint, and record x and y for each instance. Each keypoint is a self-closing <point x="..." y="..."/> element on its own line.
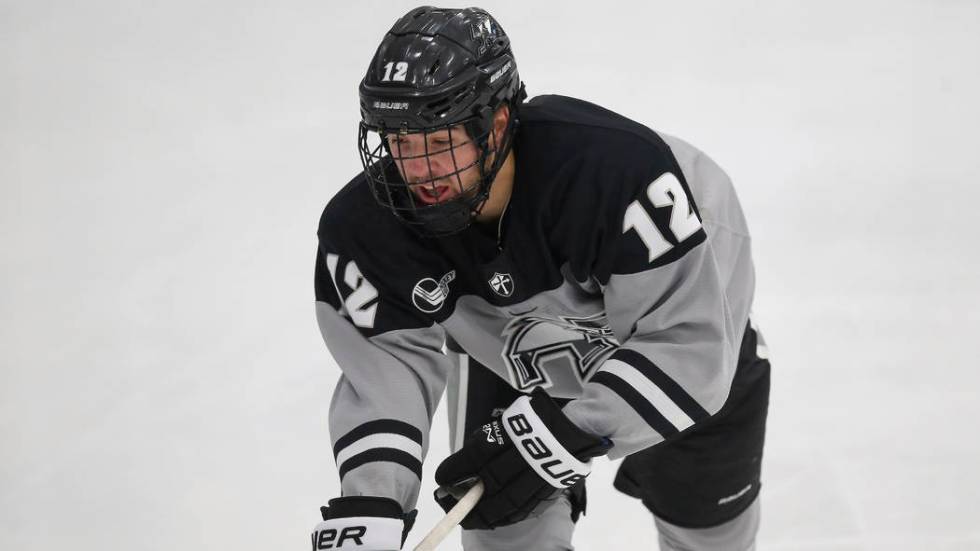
<point x="429" y="294"/>
<point x="544" y="351"/>
<point x="502" y="284"/>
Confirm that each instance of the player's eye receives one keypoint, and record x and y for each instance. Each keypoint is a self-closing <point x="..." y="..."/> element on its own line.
<point x="397" y="143"/>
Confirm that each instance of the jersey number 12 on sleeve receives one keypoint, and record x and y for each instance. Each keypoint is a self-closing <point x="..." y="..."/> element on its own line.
<point x="362" y="303"/>
<point x="665" y="191"/>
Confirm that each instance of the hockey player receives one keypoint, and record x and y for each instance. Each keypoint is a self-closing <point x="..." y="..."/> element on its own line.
<point x="580" y="282"/>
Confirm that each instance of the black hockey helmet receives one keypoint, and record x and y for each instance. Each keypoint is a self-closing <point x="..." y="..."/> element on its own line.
<point x="435" y="69"/>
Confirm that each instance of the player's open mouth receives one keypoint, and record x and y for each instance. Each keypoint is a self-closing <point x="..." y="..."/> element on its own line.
<point x="431" y="193"/>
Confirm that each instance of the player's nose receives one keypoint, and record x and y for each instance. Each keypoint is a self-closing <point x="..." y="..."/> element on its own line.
<point x="416" y="169"/>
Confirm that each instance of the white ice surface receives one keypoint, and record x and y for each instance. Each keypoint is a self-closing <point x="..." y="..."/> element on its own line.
<point x="163" y="165"/>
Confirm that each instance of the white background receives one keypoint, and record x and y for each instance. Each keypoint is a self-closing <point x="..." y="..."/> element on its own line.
<point x="163" y="165"/>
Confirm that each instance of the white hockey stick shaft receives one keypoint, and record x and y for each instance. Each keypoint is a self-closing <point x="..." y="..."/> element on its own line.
<point x="452" y="518"/>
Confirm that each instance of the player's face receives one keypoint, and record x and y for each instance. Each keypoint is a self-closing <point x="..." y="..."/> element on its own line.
<point x="438" y="165"/>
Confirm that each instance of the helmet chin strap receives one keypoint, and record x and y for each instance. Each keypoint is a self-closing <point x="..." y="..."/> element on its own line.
<point x="500" y="225"/>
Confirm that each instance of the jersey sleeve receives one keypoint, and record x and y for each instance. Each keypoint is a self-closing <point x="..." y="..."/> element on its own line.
<point x="393" y="375"/>
<point x="665" y="288"/>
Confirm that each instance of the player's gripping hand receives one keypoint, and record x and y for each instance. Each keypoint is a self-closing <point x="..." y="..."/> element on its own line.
<point x="362" y="523"/>
<point x="524" y="457"/>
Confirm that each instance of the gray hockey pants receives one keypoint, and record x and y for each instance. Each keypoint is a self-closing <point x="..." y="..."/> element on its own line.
<point x="552" y="531"/>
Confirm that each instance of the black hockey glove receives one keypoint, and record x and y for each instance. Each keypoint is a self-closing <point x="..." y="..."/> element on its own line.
<point x="362" y="523"/>
<point x="528" y="455"/>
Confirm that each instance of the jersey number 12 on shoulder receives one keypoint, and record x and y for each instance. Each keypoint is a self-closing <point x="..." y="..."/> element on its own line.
<point x="665" y="191"/>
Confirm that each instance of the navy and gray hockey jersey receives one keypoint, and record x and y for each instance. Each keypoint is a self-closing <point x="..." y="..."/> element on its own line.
<point x="620" y="277"/>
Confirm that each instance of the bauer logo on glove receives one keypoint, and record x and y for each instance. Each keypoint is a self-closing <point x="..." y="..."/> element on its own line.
<point x="542" y="451"/>
<point x="362" y="523"/>
<point x="526" y="457"/>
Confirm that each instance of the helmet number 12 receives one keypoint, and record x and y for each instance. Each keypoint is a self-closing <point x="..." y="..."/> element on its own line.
<point x="665" y="191"/>
<point x="401" y="69"/>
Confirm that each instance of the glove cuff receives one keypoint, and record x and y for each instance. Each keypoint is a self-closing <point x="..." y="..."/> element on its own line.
<point x="370" y="522"/>
<point x="362" y="506"/>
<point x="550" y="443"/>
<point x="579" y="443"/>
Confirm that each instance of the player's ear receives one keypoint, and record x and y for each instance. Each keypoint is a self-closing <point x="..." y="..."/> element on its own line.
<point x="500" y="119"/>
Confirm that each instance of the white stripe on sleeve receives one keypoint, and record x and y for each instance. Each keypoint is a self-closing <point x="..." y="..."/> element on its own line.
<point x="657" y="398"/>
<point x="383" y="440"/>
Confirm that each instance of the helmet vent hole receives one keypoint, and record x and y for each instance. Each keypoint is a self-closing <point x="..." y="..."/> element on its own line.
<point x="435" y="67"/>
<point x="438" y="103"/>
<point x="460" y="95"/>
